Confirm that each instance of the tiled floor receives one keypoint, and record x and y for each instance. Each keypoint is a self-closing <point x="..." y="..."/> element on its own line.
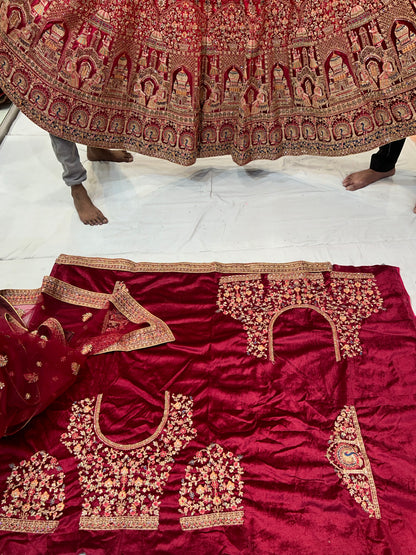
<point x="292" y="209"/>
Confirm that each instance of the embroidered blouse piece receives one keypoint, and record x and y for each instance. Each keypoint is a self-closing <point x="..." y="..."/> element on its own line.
<point x="35" y="496"/>
<point x="122" y="484"/>
<point x="258" y="449"/>
<point x="212" y="490"/>
<point x="346" y="453"/>
<point x="343" y="299"/>
<point x="181" y="80"/>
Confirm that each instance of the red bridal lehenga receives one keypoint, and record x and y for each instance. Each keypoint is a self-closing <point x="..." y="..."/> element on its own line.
<point x="185" y="79"/>
<point x="235" y="408"/>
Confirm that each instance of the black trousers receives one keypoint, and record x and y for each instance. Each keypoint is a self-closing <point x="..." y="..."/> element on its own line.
<point x="385" y="159"/>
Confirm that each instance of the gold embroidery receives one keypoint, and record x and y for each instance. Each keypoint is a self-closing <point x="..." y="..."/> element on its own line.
<point x="3" y="361"/>
<point x="344" y="301"/>
<point x="31" y="377"/>
<point x="134" y="445"/>
<point x="28" y="526"/>
<point x="34" y="499"/>
<point x="86" y="349"/>
<point x="212" y="489"/>
<point x="190" y="267"/>
<point x="75" y="366"/>
<point x="86" y="316"/>
<point x="122" y="484"/>
<point x="2" y="385"/>
<point x="347" y="454"/>
<point x="212" y="519"/>
<point x="119" y="523"/>
<point x="155" y="333"/>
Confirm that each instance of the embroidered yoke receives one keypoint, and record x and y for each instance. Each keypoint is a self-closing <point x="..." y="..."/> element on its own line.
<point x="122" y="484"/>
<point x="343" y="299"/>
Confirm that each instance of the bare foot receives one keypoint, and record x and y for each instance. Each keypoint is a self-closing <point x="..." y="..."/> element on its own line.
<point x="358" y="180"/>
<point x="106" y="155"/>
<point x="87" y="212"/>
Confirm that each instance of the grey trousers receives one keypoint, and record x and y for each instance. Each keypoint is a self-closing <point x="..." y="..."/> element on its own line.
<point x="67" y="154"/>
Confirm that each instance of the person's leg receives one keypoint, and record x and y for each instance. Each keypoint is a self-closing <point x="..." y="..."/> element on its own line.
<point x="74" y="174"/>
<point x="382" y="165"/>
<point x="95" y="154"/>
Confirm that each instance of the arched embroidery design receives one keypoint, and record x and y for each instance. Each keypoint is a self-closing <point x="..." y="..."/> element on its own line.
<point x="347" y="454"/>
<point x="34" y="498"/>
<point x="316" y="309"/>
<point x="344" y="299"/>
<point x="212" y="490"/>
<point x="122" y="484"/>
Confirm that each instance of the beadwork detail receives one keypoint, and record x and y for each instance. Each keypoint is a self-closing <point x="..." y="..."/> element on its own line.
<point x="344" y="299"/>
<point x="122" y="484"/>
<point x="3" y="361"/>
<point x="347" y="454"/>
<point x="34" y="499"/>
<point x="212" y="490"/>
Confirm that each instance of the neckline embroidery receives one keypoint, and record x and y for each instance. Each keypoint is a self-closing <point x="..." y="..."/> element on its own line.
<point x="344" y="299"/>
<point x="121" y="488"/>
<point x="130" y="446"/>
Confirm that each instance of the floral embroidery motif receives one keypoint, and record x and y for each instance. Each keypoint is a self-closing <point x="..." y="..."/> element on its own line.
<point x="122" y="484"/>
<point x="343" y="299"/>
<point x="3" y="361"/>
<point x="86" y="316"/>
<point x="31" y="377"/>
<point x="34" y="499"/>
<point x="347" y="454"/>
<point x="212" y="490"/>
<point x="75" y="367"/>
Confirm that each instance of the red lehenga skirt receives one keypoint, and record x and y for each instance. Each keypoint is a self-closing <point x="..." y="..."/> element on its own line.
<point x="180" y="80"/>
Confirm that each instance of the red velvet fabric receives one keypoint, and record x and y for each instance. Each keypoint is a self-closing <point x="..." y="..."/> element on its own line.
<point x="277" y="417"/>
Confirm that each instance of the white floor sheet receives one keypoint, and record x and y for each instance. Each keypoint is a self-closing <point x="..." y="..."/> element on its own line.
<point x="292" y="209"/>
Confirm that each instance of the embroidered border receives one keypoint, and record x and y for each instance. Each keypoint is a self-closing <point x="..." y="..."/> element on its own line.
<point x="21" y="296"/>
<point x="28" y="526"/>
<point x="74" y="295"/>
<point x="157" y="333"/>
<point x="120" y="446"/>
<point x="191" y="267"/>
<point x="351" y="275"/>
<point x="236" y="279"/>
<point x="212" y="519"/>
<point x="347" y="454"/>
<point x="118" y="523"/>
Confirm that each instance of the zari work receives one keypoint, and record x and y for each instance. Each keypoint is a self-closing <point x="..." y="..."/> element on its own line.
<point x="212" y="490"/>
<point x="197" y="442"/>
<point x="343" y="300"/>
<point x="35" y="497"/>
<point x="122" y="484"/>
<point x="346" y="453"/>
<point x="188" y="79"/>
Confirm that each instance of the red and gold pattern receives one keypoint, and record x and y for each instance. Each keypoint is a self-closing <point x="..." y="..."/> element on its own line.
<point x="123" y="310"/>
<point x="122" y="484"/>
<point x="343" y="299"/>
<point x="34" y="498"/>
<point x="212" y="490"/>
<point x="347" y="454"/>
<point x="188" y="79"/>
